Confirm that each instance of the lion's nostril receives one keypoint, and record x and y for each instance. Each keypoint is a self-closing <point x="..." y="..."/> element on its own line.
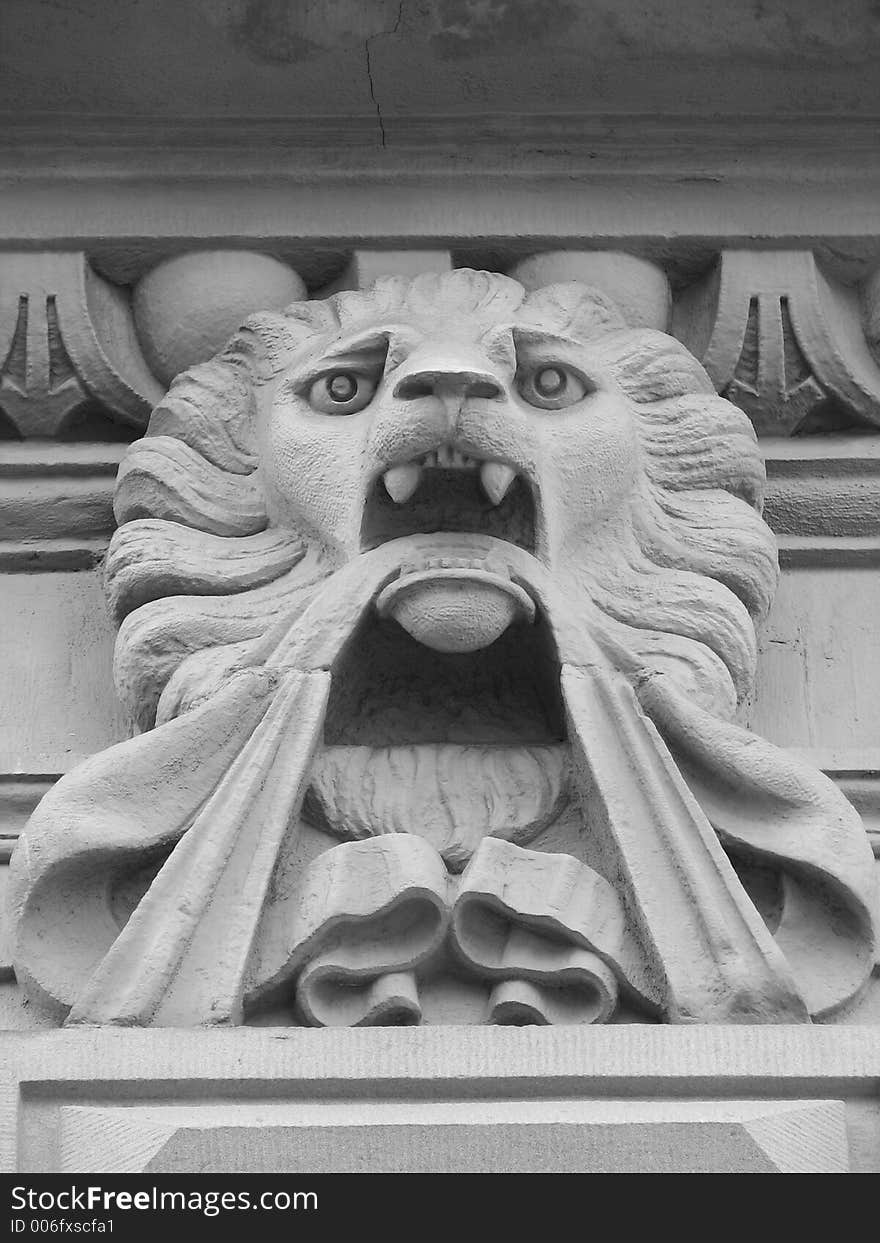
<point x="414" y="386"/>
<point x="483" y="388"/>
<point x="438" y="383"/>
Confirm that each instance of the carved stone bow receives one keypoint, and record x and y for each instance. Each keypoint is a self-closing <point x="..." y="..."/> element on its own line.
<point x="547" y="933"/>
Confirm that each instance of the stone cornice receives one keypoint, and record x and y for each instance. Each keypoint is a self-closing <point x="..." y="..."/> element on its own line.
<point x="534" y="144"/>
<point x="675" y="189"/>
<point x="56" y="504"/>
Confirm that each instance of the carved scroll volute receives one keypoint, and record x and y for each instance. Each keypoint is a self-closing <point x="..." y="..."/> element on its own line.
<point x="780" y="338"/>
<point x="67" y="338"/>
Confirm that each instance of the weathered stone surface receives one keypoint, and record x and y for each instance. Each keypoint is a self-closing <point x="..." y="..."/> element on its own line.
<point x="442" y="57"/>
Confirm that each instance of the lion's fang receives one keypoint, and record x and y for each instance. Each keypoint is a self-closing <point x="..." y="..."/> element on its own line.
<point x="496" y="478"/>
<point x="401" y="481"/>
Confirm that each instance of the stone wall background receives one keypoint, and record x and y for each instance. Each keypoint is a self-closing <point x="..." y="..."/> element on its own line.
<point x="732" y="148"/>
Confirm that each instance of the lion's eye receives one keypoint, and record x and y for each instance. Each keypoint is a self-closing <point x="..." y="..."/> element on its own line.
<point x="342" y="392"/>
<point x="551" y="386"/>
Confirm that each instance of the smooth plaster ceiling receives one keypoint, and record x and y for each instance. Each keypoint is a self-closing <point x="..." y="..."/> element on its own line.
<point x="193" y="59"/>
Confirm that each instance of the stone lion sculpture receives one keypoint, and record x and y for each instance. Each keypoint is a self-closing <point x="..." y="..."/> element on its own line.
<point x="437" y="601"/>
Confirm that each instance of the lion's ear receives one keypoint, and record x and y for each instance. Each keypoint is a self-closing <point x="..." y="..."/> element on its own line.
<point x="584" y="310"/>
<point x="651" y="366"/>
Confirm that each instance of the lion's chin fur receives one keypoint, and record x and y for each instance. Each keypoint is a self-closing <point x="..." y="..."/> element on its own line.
<point x="451" y="795"/>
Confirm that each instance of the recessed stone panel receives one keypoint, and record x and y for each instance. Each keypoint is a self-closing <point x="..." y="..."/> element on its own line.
<point x="460" y="1137"/>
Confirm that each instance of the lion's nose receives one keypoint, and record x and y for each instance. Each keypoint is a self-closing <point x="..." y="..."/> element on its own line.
<point x="433" y="383"/>
<point x="454" y="373"/>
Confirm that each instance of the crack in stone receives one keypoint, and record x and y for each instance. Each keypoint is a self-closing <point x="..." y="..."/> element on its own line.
<point x="368" y="57"/>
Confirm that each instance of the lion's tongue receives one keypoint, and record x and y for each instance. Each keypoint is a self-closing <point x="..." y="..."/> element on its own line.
<point x="456" y="603"/>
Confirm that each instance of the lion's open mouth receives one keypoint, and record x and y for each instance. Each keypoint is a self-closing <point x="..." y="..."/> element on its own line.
<point x="394" y="690"/>
<point x="449" y="491"/>
<point x="407" y="715"/>
<point x="388" y="689"/>
<point x="451" y="746"/>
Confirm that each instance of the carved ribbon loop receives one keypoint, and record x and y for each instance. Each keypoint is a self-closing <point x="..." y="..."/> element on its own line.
<point x="545" y="931"/>
<point x="369" y="913"/>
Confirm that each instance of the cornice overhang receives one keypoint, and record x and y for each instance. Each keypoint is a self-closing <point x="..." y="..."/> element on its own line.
<point x="492" y="188"/>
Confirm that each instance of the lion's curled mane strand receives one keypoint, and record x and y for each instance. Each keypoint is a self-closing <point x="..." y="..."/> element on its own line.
<point x="199" y="579"/>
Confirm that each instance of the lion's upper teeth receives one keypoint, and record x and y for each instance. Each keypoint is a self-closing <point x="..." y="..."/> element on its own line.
<point x="496" y="478"/>
<point x="448" y="455"/>
<point x="401" y="481"/>
<point x="450" y="458"/>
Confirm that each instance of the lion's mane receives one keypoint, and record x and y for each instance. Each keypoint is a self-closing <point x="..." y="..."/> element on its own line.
<point x="198" y="577"/>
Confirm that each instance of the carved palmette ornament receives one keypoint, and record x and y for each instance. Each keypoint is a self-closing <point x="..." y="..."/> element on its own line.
<point x="72" y="342"/>
<point x="437" y="601"/>
<point x="781" y="339"/>
<point x="67" y="340"/>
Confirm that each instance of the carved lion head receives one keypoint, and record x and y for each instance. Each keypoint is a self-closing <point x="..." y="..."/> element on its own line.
<point x="446" y="560"/>
<point x="455" y="405"/>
